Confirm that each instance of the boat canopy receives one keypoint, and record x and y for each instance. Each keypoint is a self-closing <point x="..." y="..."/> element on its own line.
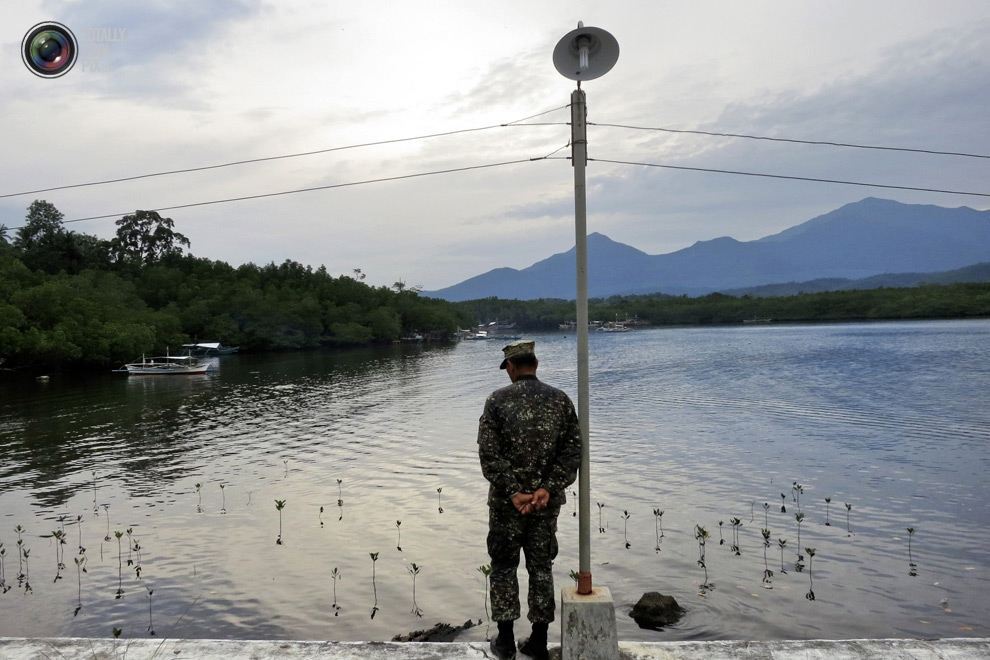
<point x="213" y="345"/>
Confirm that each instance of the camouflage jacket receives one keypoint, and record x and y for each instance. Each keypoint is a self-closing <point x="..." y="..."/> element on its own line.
<point x="529" y="438"/>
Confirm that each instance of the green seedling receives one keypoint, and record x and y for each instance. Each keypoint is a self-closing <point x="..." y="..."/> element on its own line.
<point x="151" y="624"/>
<point x="811" y="583"/>
<point x="848" y="509"/>
<point x="279" y="505"/>
<point x="486" y="572"/>
<point x="199" y="498"/>
<point x="340" y="493"/>
<point x="120" y="564"/>
<point x="106" y="512"/>
<point x="828" y="500"/>
<point x="223" y="498"/>
<point x="439" y="503"/>
<point x="27" y="570"/>
<point x="766" y="515"/>
<point x="783" y="509"/>
<point x="911" y="565"/>
<point x="601" y="525"/>
<point x="767" y="573"/>
<point x="79" y="562"/>
<point x="398" y="537"/>
<point x="658" y="527"/>
<point x="374" y="586"/>
<point x="799" y="517"/>
<point x="414" y="570"/>
<point x="321" y="516"/>
<point x="625" y="523"/>
<point x="721" y="540"/>
<point x="130" y="546"/>
<point x="701" y="535"/>
<point x="574" y="496"/>
<point x="335" y="575"/>
<point x="79" y="522"/>
<point x="782" y="543"/>
<point x="736" y="524"/>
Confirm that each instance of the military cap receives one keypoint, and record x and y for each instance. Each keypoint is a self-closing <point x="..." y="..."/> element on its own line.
<point x="516" y="349"/>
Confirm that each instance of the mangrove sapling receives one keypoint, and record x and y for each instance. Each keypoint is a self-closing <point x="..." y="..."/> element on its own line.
<point x="781" y="543"/>
<point x="94" y="494"/>
<point x="783" y="509"/>
<point x="414" y="571"/>
<point x="657" y="515"/>
<point x="721" y="540"/>
<point x="20" y="559"/>
<point x="335" y="575"/>
<point x="767" y="573"/>
<point x="799" y="517"/>
<point x="279" y="505"/>
<point x="321" y="516"/>
<point x="828" y="500"/>
<point x="285" y="462"/>
<point x="374" y="587"/>
<point x="486" y="571"/>
<point x="130" y="546"/>
<point x="625" y="523"/>
<point x="79" y="522"/>
<point x="27" y="571"/>
<point x="574" y="497"/>
<point x="106" y="512"/>
<point x="911" y="565"/>
<point x="120" y="565"/>
<point x="439" y="503"/>
<point x="151" y="624"/>
<point x="398" y="537"/>
<point x="223" y="498"/>
<point x="78" y="561"/>
<point x="766" y="515"/>
<point x="798" y="491"/>
<point x="811" y="583"/>
<point x="701" y="535"/>
<point x="137" y="566"/>
<point x="199" y="496"/>
<point x="3" y="573"/>
<point x="848" y="509"/>
<point x="601" y="525"/>
<point x="736" y="524"/>
<point x="340" y="494"/>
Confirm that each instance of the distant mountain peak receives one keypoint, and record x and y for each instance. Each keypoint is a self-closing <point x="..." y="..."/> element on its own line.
<point x="855" y="241"/>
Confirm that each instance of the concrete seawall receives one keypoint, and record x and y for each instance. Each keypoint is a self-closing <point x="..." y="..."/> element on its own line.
<point x="213" y="649"/>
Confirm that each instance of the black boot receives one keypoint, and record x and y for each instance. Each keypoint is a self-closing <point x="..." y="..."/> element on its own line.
<point x="536" y="645"/>
<point x="504" y="646"/>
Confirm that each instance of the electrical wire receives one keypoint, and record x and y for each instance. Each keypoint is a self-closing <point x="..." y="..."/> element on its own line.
<point x="310" y="189"/>
<point x="517" y="122"/>
<point x="793" y="140"/>
<point x="789" y="177"/>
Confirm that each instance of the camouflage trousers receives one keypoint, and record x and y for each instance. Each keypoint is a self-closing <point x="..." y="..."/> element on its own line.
<point x="536" y="535"/>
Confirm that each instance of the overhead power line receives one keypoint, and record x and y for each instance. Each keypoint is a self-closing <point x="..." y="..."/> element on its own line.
<point x="201" y="168"/>
<point x="793" y="140"/>
<point x="310" y="189"/>
<point x="790" y="177"/>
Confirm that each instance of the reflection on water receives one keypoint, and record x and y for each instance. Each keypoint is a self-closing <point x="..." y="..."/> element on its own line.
<point x="698" y="426"/>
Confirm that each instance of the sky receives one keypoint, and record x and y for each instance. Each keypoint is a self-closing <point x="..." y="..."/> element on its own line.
<point x="169" y="85"/>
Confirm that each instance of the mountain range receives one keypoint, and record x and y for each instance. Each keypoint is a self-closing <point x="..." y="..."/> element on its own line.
<point x="859" y="240"/>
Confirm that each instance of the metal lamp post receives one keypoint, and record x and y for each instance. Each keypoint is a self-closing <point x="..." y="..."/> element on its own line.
<point x="583" y="54"/>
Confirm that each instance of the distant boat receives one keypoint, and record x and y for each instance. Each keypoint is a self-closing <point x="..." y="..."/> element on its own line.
<point x="211" y="348"/>
<point x="168" y="365"/>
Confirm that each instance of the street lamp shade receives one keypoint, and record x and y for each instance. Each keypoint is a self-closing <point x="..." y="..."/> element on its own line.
<point x="585" y="53"/>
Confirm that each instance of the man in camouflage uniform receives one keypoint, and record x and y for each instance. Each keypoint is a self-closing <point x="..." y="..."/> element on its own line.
<point x="529" y="443"/>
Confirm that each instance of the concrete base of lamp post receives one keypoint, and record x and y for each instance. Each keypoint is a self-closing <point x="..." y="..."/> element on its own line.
<point x="587" y="625"/>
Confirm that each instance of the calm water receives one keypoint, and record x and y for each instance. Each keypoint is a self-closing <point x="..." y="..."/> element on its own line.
<point x="706" y="424"/>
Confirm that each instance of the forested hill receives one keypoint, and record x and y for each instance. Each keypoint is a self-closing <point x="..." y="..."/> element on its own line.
<point x="72" y="299"/>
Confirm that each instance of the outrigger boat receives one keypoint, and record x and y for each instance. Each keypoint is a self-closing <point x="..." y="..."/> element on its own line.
<point x="167" y="365"/>
<point x="210" y="348"/>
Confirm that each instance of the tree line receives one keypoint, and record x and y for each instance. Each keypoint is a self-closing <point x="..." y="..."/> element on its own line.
<point x="72" y="299"/>
<point x="922" y="302"/>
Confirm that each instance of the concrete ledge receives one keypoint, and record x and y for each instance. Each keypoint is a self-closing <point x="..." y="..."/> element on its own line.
<point x="210" y="649"/>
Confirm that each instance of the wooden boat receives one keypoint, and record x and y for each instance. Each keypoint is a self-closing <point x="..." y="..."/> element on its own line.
<point x="166" y="365"/>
